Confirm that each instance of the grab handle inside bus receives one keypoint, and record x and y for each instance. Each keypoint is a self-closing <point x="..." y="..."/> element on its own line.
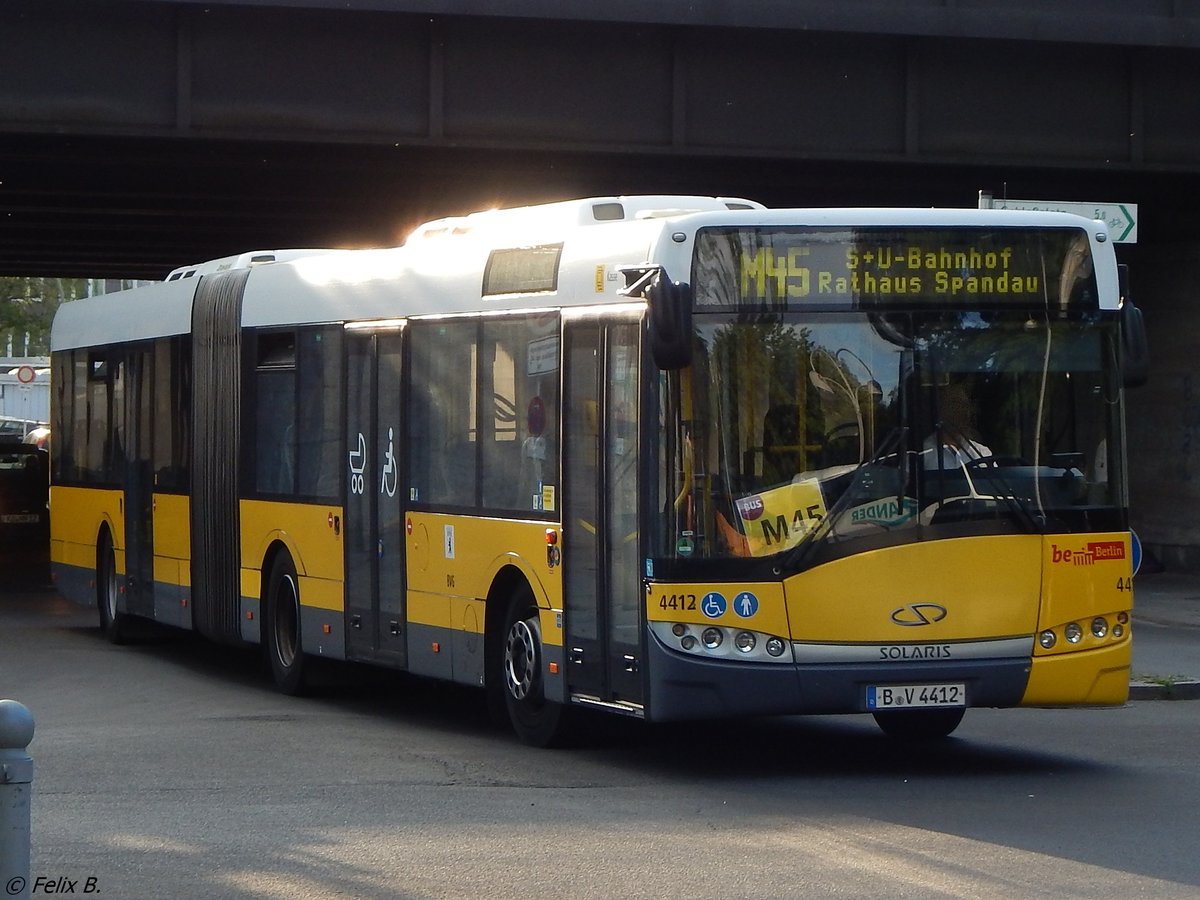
<point x="670" y="314"/>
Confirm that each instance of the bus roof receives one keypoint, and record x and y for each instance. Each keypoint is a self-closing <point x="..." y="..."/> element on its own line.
<point x="240" y="261"/>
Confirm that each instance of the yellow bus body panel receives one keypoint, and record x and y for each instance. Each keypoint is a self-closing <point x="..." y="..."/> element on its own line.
<point x="1091" y="678"/>
<point x="1084" y="577"/>
<point x="439" y="611"/>
<point x="172" y="539"/>
<point x="312" y="534"/>
<point x="990" y="587"/>
<point x="172" y="526"/>
<point x="453" y="560"/>
<point x="76" y="514"/>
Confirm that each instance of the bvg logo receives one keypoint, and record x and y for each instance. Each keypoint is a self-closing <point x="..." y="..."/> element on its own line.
<point x="916" y="614"/>
<point x="1093" y="552"/>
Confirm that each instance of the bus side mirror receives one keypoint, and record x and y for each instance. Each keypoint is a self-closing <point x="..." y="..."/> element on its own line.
<point x="1135" y="349"/>
<point x="669" y="303"/>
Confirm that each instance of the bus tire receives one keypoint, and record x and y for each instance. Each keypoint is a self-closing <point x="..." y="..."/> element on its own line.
<point x="282" y="640"/>
<point x="537" y="721"/>
<point x="919" y="724"/>
<point x="113" y="622"/>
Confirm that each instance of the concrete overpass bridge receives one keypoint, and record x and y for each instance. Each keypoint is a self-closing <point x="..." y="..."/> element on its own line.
<point x="136" y="135"/>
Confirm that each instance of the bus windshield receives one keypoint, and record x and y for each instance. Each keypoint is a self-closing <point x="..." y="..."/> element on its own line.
<point x="889" y="427"/>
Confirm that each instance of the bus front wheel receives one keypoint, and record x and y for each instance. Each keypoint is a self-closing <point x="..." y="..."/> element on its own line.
<point x="112" y="620"/>
<point x="919" y="724"/>
<point x="536" y="720"/>
<point x="283" y="644"/>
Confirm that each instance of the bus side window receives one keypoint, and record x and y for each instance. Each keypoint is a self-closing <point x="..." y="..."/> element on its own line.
<point x="518" y="394"/>
<point x="441" y="412"/>
<point x="319" y="437"/>
<point x="275" y="416"/>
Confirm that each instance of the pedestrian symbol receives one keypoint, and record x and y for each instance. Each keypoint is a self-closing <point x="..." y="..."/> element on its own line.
<point x="745" y="604"/>
<point x="713" y="605"/>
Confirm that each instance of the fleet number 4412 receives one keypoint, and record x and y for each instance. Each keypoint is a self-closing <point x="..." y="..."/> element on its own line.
<point x="677" y="601"/>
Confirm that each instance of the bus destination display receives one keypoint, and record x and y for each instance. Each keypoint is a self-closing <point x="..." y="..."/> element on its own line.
<point x="794" y="268"/>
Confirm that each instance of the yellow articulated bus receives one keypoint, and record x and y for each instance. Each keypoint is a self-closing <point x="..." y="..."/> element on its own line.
<point x="665" y="457"/>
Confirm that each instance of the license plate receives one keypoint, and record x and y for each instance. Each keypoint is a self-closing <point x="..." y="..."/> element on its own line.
<point x="24" y="519"/>
<point x="907" y="696"/>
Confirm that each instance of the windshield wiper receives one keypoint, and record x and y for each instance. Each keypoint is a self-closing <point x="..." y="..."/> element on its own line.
<point x="989" y="469"/>
<point x="893" y="443"/>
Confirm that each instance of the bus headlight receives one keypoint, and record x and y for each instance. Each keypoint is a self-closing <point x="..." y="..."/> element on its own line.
<point x="715" y="642"/>
<point x="1073" y="633"/>
<point x="1099" y="626"/>
<point x="1047" y="639"/>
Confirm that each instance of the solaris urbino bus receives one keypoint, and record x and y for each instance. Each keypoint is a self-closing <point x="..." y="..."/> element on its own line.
<point x="665" y="457"/>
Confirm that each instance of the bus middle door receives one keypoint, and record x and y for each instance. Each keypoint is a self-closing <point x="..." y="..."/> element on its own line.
<point x="375" y="615"/>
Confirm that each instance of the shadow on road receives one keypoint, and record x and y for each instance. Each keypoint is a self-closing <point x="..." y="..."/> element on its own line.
<point x="780" y="746"/>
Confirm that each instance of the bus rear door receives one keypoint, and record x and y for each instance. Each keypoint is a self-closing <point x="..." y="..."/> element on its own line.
<point x="137" y="374"/>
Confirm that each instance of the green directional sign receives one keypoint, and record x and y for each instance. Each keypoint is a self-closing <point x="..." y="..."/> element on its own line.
<point x="1121" y="218"/>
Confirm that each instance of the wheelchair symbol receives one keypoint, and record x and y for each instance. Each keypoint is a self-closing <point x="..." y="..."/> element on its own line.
<point x="713" y="605"/>
<point x="387" y="483"/>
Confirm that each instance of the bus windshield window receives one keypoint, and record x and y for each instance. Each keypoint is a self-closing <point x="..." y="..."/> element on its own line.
<point x="890" y="427"/>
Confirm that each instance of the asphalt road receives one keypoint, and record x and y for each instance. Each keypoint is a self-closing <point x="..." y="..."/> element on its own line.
<point x="171" y="769"/>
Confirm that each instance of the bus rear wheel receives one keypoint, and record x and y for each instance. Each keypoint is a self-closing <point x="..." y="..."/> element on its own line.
<point x="919" y="724"/>
<point x="112" y="620"/>
<point x="536" y="720"/>
<point x="282" y="623"/>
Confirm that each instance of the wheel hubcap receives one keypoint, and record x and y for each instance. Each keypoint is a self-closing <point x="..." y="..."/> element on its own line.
<point x="520" y="659"/>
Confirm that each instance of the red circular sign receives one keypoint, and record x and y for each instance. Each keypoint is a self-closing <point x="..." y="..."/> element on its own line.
<point x="26" y="374"/>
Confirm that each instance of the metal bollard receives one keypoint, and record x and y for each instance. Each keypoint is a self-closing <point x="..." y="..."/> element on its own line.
<point x="16" y="785"/>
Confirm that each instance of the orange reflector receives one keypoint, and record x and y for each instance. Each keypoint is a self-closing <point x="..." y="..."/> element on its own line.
<point x="551" y="536"/>
<point x="436" y="647"/>
<point x="250" y="615"/>
<point x="327" y="629"/>
<point x="553" y="668"/>
<point x="183" y="602"/>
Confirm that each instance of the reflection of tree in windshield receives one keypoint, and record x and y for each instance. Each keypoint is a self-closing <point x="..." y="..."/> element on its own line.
<point x="831" y="416"/>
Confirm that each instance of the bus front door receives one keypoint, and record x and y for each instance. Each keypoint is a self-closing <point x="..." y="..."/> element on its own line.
<point x="375" y="615"/>
<point x="603" y="600"/>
